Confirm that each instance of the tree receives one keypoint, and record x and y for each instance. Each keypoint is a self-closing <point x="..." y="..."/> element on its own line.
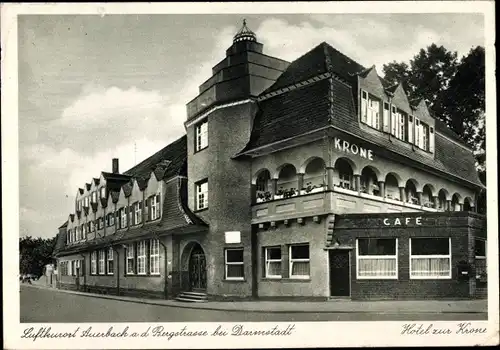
<point x="454" y="90"/>
<point x="34" y="254"/>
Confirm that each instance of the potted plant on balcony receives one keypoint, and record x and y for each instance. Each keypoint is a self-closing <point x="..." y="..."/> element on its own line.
<point x="279" y="193"/>
<point x="289" y="193"/>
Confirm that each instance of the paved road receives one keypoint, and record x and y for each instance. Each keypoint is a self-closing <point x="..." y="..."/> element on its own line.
<point x="43" y="305"/>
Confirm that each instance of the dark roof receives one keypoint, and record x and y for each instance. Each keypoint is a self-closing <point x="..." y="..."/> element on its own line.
<point x="94" y="207"/>
<point x="60" y="244"/>
<point x="329" y="102"/>
<point x="115" y="195"/>
<point x="88" y="186"/>
<point x="127" y="189"/>
<point x="176" y="153"/>
<point x="392" y="89"/>
<point x="81" y="190"/>
<point x="96" y="181"/>
<point x="104" y="202"/>
<point x="64" y="225"/>
<point x="142" y="183"/>
<point x="323" y="58"/>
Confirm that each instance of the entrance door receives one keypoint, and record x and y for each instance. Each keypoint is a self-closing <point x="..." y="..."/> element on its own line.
<point x="340" y="279"/>
<point x="197" y="269"/>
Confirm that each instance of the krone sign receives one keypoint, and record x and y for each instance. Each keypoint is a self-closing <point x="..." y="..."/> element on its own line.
<point x="347" y="147"/>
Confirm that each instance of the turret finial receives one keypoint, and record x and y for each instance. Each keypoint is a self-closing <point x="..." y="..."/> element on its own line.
<point x="244" y="34"/>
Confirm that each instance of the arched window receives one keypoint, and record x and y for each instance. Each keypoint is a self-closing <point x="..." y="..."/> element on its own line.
<point x="369" y="181"/>
<point x="263" y="186"/>
<point x="345" y="174"/>
<point x="411" y="193"/>
<point x="442" y="203"/>
<point x="455" y="202"/>
<point x="392" y="187"/>
<point x="428" y="200"/>
<point x="287" y="184"/>
<point x="467" y="204"/>
<point x="315" y="176"/>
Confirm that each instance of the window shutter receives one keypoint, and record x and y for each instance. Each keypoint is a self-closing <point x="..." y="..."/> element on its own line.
<point x="146" y="209"/>
<point x="410" y="128"/>
<point x="158" y="212"/>
<point x="386" y="118"/>
<point x="364" y="100"/>
<point x="417" y="132"/>
<point x="431" y="139"/>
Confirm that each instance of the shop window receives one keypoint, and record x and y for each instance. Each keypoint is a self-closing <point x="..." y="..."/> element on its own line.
<point x="299" y="261"/>
<point x="234" y="264"/>
<point x="102" y="262"/>
<point x="130" y="262"/>
<point x="202" y="195"/>
<point x="93" y="262"/>
<point x="480" y="254"/>
<point x="273" y="262"/>
<point x="141" y="258"/>
<point x="201" y="137"/>
<point x="110" y="261"/>
<point x="377" y="258"/>
<point x="154" y="257"/>
<point x="430" y="258"/>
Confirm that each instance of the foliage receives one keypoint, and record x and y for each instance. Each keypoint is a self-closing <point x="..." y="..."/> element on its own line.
<point x="34" y="254"/>
<point x="453" y="89"/>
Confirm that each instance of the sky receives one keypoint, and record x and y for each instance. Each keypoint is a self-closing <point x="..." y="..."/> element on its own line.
<point x="93" y="88"/>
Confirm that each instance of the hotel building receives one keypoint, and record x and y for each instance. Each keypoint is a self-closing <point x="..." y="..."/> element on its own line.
<point x="309" y="179"/>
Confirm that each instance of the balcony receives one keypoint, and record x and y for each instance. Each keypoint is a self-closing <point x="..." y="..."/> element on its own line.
<point x="321" y="201"/>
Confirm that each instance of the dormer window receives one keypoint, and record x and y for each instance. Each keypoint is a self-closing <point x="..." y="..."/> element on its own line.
<point x="370" y="110"/>
<point x="201" y="136"/>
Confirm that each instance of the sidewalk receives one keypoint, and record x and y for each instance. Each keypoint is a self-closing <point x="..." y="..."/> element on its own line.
<point x="333" y="306"/>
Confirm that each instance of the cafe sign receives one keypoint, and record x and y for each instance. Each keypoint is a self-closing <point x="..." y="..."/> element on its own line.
<point x="347" y="147"/>
<point x="417" y="221"/>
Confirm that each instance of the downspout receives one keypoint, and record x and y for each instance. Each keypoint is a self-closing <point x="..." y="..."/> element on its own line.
<point x="165" y="266"/>
<point x="115" y="250"/>
<point x="84" y="274"/>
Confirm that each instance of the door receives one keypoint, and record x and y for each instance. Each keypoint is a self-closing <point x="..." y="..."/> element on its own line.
<point x="340" y="278"/>
<point x="197" y="269"/>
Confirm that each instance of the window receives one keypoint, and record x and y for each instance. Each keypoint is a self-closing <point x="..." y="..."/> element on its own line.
<point x="273" y="262"/>
<point x="201" y="136"/>
<point x="394" y="121"/>
<point x="431" y="139"/>
<point x="370" y="110"/>
<point x="386" y="117"/>
<point x="102" y="259"/>
<point x="123" y="218"/>
<point x="92" y="226"/>
<point x="94" y="197"/>
<point x="77" y="270"/>
<point x="110" y="219"/>
<point x="299" y="261"/>
<point x="84" y="230"/>
<point x="137" y="213"/>
<point x="154" y="257"/>
<point x="130" y="211"/>
<point x="154" y="207"/>
<point x="410" y="129"/>
<point x="234" y="264"/>
<point x="103" y="192"/>
<point x="377" y="258"/>
<point x="130" y="259"/>
<point x="425" y="136"/>
<point x="86" y="202"/>
<point x="141" y="258"/>
<point x="480" y="253"/>
<point x="73" y="268"/>
<point x="403" y="119"/>
<point x="202" y="195"/>
<point x="417" y="132"/>
<point x="93" y="263"/>
<point x="110" y="261"/>
<point x="430" y="258"/>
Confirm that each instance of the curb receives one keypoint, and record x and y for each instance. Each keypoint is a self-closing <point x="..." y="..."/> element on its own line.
<point x="196" y="306"/>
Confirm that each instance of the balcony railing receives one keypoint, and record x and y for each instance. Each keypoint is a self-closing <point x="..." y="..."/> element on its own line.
<point x="320" y="201"/>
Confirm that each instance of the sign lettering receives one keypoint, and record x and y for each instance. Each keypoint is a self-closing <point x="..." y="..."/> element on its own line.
<point x="403" y="221"/>
<point x="347" y="147"/>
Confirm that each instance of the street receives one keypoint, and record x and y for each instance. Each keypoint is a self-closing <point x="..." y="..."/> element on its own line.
<point x="44" y="305"/>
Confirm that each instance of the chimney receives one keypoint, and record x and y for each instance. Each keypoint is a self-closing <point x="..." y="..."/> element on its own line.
<point x="115" y="166"/>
